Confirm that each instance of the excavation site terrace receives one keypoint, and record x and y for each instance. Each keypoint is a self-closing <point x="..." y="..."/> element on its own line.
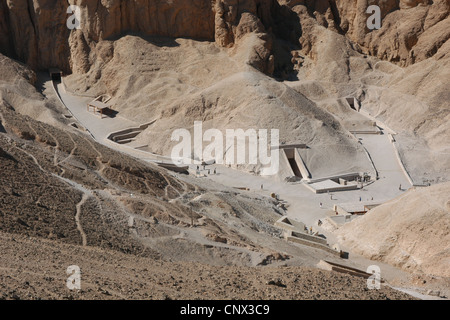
<point x="224" y="150"/>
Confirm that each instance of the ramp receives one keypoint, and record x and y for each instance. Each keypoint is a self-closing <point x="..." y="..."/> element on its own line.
<point x="331" y="266"/>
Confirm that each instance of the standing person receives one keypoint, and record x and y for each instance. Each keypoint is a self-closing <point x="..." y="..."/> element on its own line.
<point x="321" y="205"/>
<point x="215" y="171"/>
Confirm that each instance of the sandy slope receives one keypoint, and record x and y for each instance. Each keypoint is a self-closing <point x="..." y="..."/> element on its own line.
<point x="412" y="100"/>
<point x="196" y="81"/>
<point x="411" y="231"/>
<point x="177" y="81"/>
<point x="66" y="187"/>
<point x="107" y="274"/>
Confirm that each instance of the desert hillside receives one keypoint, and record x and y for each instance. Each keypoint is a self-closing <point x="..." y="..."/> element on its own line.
<point x="400" y="73"/>
<point x="111" y="275"/>
<point x="363" y="117"/>
<point x="63" y="186"/>
<point x="208" y="87"/>
<point x="412" y="232"/>
<point x="66" y="199"/>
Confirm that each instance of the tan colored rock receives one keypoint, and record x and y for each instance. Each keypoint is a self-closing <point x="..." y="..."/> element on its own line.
<point x="249" y="23"/>
<point x="411" y="30"/>
<point x="41" y="38"/>
<point x="407" y="4"/>
<point x="36" y="32"/>
<point x="411" y="232"/>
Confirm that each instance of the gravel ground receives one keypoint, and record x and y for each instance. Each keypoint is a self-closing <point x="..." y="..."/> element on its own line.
<point x="33" y="268"/>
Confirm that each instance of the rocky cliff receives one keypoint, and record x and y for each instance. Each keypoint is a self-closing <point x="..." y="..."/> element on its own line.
<point x="411" y="30"/>
<point x="35" y="31"/>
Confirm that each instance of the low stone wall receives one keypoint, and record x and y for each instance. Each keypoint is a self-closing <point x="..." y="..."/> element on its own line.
<point x="346" y="176"/>
<point x="301" y="165"/>
<point x="55" y="89"/>
<point x="128" y="133"/>
<point x="400" y="162"/>
<point x="309" y="237"/>
<point x="331" y="266"/>
<point x="341" y="219"/>
<point x="289" y="224"/>
<point x="332" y="189"/>
<point x="313" y="244"/>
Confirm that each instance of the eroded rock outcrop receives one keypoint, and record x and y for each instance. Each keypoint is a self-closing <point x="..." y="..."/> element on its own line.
<point x="36" y="33"/>
<point x="411" y="31"/>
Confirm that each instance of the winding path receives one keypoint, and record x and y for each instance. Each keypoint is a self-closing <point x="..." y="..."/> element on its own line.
<point x="303" y="205"/>
<point x="98" y="128"/>
<point x="77" y="219"/>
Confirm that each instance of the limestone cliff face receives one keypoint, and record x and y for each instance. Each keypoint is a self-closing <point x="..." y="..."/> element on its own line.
<point x="412" y="30"/>
<point x="270" y="21"/>
<point x="35" y="32"/>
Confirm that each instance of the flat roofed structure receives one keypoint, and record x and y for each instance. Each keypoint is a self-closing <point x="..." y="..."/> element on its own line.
<point x="330" y="186"/>
<point x="99" y="106"/>
<point x="356" y="207"/>
<point x="290" y="146"/>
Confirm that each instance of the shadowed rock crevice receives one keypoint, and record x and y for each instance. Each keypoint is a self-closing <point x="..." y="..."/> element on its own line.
<point x="26" y="32"/>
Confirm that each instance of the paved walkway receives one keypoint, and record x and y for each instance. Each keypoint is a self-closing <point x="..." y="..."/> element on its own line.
<point x="99" y="128"/>
<point x="303" y="205"/>
<point x="390" y="172"/>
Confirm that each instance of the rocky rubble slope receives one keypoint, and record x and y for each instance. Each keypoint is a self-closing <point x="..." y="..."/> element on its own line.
<point x="61" y="185"/>
<point x="107" y="275"/>
<point x="411" y="232"/>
